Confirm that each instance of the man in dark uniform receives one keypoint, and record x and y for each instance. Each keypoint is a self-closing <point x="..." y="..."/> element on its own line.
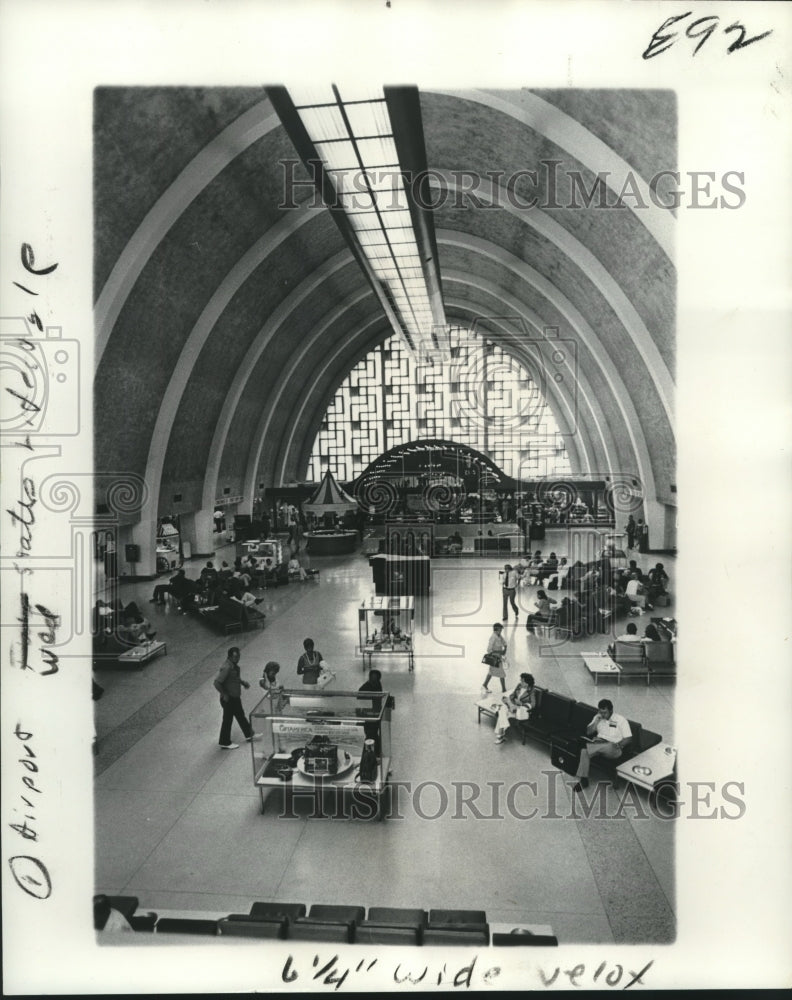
<point x="372" y="729"/>
<point x="229" y="684"/>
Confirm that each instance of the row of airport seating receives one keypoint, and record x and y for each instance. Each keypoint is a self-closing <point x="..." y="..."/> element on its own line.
<point x="341" y="924"/>
<point x="646" y="659"/>
<point x="558" y="717"/>
<point x="230" y="615"/>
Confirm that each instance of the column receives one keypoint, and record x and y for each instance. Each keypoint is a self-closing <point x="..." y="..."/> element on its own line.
<point x="197" y="528"/>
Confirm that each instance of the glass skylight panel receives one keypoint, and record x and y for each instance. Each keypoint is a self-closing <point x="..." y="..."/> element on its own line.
<point x="400" y="219"/>
<point x="392" y="199"/>
<point x="312" y="93"/>
<point x="380" y="252"/>
<point x="414" y="285"/>
<point x="409" y="262"/>
<point x="399" y="236"/>
<point x="324" y="123"/>
<point x="364" y="220"/>
<point x="357" y="201"/>
<point x="337" y="155"/>
<point x="378" y="152"/>
<point x="369" y="119"/>
<point x="355" y="142"/>
<point x="385" y="178"/>
<point x="359" y="92"/>
<point x="374" y="238"/>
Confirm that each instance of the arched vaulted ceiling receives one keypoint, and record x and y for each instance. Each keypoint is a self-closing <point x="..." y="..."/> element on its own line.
<point x="225" y="322"/>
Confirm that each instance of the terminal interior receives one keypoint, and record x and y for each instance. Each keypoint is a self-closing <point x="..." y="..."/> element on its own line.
<point x="260" y="323"/>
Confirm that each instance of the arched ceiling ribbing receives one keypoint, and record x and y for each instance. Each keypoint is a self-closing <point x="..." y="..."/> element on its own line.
<point x="225" y="321"/>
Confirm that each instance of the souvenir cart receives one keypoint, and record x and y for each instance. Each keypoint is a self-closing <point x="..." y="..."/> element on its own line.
<point x="323" y="743"/>
<point x="386" y="627"/>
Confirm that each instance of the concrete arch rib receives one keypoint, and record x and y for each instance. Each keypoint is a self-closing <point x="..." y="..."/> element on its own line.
<point x="262" y="429"/>
<point x="559" y="403"/>
<point x="582" y="442"/>
<point x="568" y="134"/>
<point x="301" y="449"/>
<point x="264" y="337"/>
<point x="200" y="172"/>
<point x="578" y="322"/>
<point x="582" y="457"/>
<point x="230" y="285"/>
<point x="599" y="276"/>
<point x="584" y="449"/>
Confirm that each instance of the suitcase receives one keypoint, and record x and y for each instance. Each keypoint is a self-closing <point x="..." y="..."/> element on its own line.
<point x="565" y="753"/>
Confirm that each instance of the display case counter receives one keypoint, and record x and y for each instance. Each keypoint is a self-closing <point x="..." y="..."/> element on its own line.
<point x="268" y="548"/>
<point x="330" y="543"/>
<point x="385" y="626"/>
<point x="398" y="575"/>
<point x="311" y="743"/>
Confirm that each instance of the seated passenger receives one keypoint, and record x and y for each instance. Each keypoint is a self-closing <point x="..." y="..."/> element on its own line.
<point x="633" y="567"/>
<point x="636" y="592"/>
<point x="543" y="611"/>
<point x="522" y="697"/>
<point x="136" y="629"/>
<point x="454" y="544"/>
<point x="629" y="635"/>
<point x="558" y="579"/>
<point x="570" y="615"/>
<point x="611" y="734"/>
<point x="657" y="583"/>
<point x="246" y="598"/>
<point x="548" y="568"/>
<point x="296" y="570"/>
<point x="208" y="577"/>
<point x="535" y="564"/>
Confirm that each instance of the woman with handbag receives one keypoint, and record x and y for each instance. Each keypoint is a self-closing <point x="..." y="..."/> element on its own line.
<point x="494" y="657"/>
<point x="517" y="705"/>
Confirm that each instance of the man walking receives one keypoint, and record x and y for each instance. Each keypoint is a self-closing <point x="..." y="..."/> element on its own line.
<point x="229" y="684"/>
<point x="509" y="591"/>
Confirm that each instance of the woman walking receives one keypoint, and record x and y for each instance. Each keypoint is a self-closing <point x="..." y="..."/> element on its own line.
<point x="495" y="656"/>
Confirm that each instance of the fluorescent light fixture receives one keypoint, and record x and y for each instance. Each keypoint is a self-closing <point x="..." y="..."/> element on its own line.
<point x="351" y="131"/>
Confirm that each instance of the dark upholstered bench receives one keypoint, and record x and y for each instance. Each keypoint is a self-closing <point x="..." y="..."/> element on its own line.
<point x="579" y="718"/>
<point x="232" y="616"/>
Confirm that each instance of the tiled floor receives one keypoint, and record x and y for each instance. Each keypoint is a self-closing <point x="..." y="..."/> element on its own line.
<point x="178" y="821"/>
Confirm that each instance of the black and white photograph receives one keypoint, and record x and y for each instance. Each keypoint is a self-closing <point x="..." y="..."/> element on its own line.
<point x="395" y="468"/>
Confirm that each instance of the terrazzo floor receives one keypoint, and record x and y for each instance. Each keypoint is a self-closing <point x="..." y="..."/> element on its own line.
<point x="178" y="822"/>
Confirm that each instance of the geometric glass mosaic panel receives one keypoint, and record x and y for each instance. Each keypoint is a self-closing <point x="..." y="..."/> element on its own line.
<point x="481" y="396"/>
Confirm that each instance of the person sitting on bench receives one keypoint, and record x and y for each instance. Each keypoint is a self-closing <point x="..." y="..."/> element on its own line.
<point x="296" y="570"/>
<point x="543" y="611"/>
<point x="636" y="592"/>
<point x="609" y="734"/>
<point x="629" y="635"/>
<point x="454" y="544"/>
<point x="522" y="697"/>
<point x="658" y="581"/>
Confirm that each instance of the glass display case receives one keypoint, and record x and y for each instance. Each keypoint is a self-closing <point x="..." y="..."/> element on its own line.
<point x="386" y="628"/>
<point x="168" y="547"/>
<point x="269" y="548"/>
<point x="312" y="743"/>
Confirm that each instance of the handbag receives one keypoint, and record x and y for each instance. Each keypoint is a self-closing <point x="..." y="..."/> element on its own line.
<point x="491" y="659"/>
<point x="522" y="713"/>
